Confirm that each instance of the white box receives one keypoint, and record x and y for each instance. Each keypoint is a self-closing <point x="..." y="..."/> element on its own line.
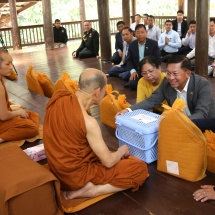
<point x="36" y="153"/>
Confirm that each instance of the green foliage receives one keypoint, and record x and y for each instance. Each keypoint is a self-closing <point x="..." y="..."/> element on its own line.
<point x="68" y="10"/>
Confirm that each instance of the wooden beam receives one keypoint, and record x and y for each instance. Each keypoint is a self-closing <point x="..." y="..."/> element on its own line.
<point x="15" y="29"/>
<point x="82" y="11"/>
<point x="201" y="55"/>
<point x="26" y="7"/>
<point x="181" y="4"/>
<point x="6" y="1"/>
<point x="48" y="25"/>
<point x="134" y="9"/>
<point x="191" y="13"/>
<point x="126" y="12"/>
<point x="104" y="29"/>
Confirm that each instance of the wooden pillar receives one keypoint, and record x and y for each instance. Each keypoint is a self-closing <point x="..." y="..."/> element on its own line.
<point x="15" y="28"/>
<point x="181" y="4"/>
<point x="82" y="12"/>
<point x="201" y="55"/>
<point x="126" y="12"/>
<point x="134" y="9"/>
<point x="104" y="29"/>
<point x="191" y="13"/>
<point x="48" y="25"/>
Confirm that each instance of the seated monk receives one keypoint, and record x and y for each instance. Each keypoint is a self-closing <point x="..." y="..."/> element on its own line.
<point x="18" y="124"/>
<point x="75" y="149"/>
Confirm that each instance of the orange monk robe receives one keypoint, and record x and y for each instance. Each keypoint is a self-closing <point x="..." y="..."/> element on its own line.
<point x="19" y="128"/>
<point x="70" y="156"/>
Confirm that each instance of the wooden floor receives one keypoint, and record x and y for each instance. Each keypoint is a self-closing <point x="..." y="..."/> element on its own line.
<point x="161" y="193"/>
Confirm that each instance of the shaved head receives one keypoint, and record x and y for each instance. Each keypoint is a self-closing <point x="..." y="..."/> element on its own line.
<point x="91" y="79"/>
<point x="2" y="55"/>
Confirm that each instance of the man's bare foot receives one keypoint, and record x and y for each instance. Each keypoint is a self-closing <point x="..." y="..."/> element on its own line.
<point x="87" y="191"/>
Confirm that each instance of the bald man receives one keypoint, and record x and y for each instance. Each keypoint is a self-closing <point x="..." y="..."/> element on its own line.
<point x="76" y="151"/>
<point x="18" y="124"/>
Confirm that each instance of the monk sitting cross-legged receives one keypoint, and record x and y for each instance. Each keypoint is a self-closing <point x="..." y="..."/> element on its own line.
<point x="18" y="124"/>
<point x="75" y="149"/>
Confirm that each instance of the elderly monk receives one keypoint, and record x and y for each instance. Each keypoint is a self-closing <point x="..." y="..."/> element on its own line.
<point x="18" y="124"/>
<point x="75" y="149"/>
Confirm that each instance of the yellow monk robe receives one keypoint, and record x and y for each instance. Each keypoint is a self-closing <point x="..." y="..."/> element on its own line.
<point x="18" y="128"/>
<point x="70" y="156"/>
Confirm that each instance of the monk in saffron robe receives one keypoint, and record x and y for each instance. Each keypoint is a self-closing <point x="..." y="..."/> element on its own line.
<point x="18" y="124"/>
<point x="75" y="149"/>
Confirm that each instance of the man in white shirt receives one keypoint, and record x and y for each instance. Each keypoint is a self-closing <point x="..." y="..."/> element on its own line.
<point x="145" y="20"/>
<point x="169" y="41"/>
<point x="137" y="21"/>
<point x="189" y="42"/>
<point x="211" y="48"/>
<point x="153" y="31"/>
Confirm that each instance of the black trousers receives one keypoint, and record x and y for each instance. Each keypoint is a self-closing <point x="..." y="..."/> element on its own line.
<point x="86" y="53"/>
<point x="205" y="124"/>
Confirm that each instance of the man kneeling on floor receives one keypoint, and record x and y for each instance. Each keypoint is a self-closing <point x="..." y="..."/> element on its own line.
<point x="75" y="149"/>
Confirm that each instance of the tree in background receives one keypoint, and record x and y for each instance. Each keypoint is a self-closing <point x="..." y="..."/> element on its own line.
<point x="68" y="10"/>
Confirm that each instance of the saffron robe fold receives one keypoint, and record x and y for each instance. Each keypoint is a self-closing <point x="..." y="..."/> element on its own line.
<point x="70" y="156"/>
<point x="18" y="128"/>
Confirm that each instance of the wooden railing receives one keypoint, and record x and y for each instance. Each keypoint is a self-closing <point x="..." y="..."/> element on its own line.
<point x="34" y="34"/>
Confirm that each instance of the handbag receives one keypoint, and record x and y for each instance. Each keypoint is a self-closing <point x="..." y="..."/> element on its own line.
<point x="110" y="105"/>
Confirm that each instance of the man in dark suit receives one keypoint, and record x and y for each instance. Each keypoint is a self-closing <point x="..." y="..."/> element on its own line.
<point x="138" y="49"/>
<point x="180" y="25"/>
<point x="90" y="43"/>
<point x="117" y="56"/>
<point x="193" y="89"/>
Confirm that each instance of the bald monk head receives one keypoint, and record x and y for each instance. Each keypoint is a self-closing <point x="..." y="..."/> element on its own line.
<point x="93" y="82"/>
<point x="6" y="65"/>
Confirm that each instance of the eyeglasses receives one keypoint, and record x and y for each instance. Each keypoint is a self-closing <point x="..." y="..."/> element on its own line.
<point x="146" y="73"/>
<point x="174" y="74"/>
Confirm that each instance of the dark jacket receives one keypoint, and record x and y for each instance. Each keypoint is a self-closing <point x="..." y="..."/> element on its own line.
<point x="184" y="27"/>
<point x="199" y="97"/>
<point x="90" y="41"/>
<point x="151" y="48"/>
<point x="60" y="35"/>
<point x="119" y="41"/>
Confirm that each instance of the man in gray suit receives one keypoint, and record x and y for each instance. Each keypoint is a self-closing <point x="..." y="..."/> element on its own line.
<point x="195" y="90"/>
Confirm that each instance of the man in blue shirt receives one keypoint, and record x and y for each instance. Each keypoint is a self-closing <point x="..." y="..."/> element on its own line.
<point x="169" y="41"/>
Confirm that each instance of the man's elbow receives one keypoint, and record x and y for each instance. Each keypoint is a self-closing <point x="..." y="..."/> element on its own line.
<point x="108" y="163"/>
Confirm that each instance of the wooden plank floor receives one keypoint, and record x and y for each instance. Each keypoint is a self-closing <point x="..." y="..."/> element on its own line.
<point x="161" y="193"/>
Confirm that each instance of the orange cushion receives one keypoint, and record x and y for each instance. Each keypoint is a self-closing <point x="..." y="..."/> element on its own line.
<point x="112" y="103"/>
<point x="46" y="84"/>
<point x="32" y="81"/>
<point x="181" y="147"/>
<point x="210" y="137"/>
<point x="66" y="83"/>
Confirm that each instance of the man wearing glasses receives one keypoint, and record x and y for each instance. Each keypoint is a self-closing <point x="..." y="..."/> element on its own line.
<point x="195" y="90"/>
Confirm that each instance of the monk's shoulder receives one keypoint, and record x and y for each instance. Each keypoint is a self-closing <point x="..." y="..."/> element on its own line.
<point x="90" y="121"/>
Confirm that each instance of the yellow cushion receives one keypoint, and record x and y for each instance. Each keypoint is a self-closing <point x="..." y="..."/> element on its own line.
<point x="32" y="81"/>
<point x="46" y="84"/>
<point x="66" y="83"/>
<point x="181" y="147"/>
<point x="13" y="76"/>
